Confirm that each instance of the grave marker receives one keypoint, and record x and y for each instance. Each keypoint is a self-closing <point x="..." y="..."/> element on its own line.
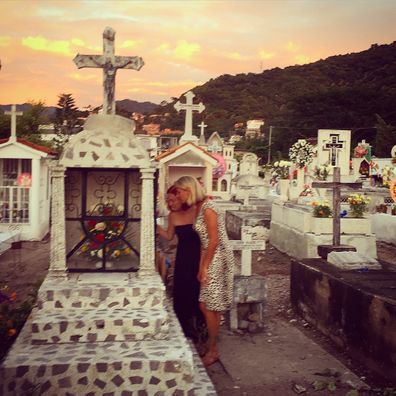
<point x="13" y="113"/>
<point x="189" y="107"/>
<point x="109" y="63"/>
<point x="336" y="185"/>
<point x="246" y="245"/>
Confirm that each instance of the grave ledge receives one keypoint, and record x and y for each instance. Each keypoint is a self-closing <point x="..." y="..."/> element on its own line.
<point x="356" y="310"/>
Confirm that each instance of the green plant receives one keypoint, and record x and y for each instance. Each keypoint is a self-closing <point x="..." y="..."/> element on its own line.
<point x="321" y="209"/>
<point x="358" y="204"/>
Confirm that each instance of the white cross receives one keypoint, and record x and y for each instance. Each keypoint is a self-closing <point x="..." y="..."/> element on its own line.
<point x="202" y="125"/>
<point x="109" y="63"/>
<point x="189" y="107"/>
<point x="334" y="146"/>
<point x="13" y="113"/>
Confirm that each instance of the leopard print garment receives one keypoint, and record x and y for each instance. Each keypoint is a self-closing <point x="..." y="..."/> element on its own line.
<point x="217" y="293"/>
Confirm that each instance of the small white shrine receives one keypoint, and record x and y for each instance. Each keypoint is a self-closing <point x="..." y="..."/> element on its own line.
<point x="24" y="186"/>
<point x="187" y="159"/>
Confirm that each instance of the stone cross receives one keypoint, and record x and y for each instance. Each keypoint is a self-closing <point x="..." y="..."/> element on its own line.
<point x="13" y="113"/>
<point x="334" y="146"/>
<point x="109" y="63"/>
<point x="202" y="125"/>
<point x="336" y="185"/>
<point x="189" y="107"/>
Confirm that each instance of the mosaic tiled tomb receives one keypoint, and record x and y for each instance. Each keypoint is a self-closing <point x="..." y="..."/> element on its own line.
<point x="88" y="366"/>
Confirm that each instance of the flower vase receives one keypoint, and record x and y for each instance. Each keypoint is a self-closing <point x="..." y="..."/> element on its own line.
<point x="284" y="189"/>
<point x="300" y="178"/>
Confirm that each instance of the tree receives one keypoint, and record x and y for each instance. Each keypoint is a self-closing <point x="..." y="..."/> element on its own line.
<point x="385" y="139"/>
<point x="28" y="124"/>
<point x="66" y="121"/>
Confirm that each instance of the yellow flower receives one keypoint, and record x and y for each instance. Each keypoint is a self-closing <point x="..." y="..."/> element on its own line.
<point x="84" y="248"/>
<point x="116" y="253"/>
<point x="127" y="250"/>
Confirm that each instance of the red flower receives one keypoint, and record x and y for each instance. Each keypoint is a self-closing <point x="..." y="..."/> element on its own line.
<point x="92" y="223"/>
<point x="99" y="237"/>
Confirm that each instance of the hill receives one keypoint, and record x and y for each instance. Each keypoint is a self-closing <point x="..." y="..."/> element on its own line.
<point x="355" y="91"/>
<point x="127" y="105"/>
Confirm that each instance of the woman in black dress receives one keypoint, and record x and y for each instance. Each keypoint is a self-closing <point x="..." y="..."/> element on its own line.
<point x="186" y="286"/>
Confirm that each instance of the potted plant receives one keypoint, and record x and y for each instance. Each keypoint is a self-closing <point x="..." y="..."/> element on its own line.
<point x="322" y="209"/>
<point x="358" y="204"/>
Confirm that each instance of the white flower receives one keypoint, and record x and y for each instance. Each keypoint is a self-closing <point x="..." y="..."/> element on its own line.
<point x="100" y="226"/>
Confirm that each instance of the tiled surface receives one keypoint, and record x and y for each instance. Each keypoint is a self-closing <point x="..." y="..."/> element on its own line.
<point x="76" y="293"/>
<point x="99" y="325"/>
<point x="84" y="366"/>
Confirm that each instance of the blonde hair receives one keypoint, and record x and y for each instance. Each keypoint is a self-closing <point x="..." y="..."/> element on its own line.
<point x="197" y="193"/>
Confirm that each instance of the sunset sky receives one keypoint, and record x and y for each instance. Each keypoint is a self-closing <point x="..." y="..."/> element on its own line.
<point x="183" y="43"/>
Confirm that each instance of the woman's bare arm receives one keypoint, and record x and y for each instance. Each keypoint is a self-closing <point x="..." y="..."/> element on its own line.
<point x="210" y="217"/>
<point x="169" y="233"/>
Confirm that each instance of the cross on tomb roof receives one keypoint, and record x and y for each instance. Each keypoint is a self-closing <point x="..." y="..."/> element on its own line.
<point x="109" y="63"/>
<point x="336" y="185"/>
<point x="14" y="114"/>
<point x="334" y="146"/>
<point x="189" y="107"/>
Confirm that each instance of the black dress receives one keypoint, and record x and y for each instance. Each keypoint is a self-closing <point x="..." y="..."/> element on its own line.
<point x="185" y="282"/>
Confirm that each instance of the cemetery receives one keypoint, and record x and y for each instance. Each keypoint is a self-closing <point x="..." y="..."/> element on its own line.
<point x="103" y="321"/>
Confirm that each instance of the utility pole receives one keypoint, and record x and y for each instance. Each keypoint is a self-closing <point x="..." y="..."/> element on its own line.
<point x="269" y="144"/>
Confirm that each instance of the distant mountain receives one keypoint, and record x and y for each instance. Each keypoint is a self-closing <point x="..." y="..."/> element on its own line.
<point x="356" y="91"/>
<point x="49" y="111"/>
<point x="132" y="106"/>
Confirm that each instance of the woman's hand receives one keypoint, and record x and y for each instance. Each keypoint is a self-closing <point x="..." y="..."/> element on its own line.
<point x="203" y="275"/>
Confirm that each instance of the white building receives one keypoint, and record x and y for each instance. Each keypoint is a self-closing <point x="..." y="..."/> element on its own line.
<point x="24" y="188"/>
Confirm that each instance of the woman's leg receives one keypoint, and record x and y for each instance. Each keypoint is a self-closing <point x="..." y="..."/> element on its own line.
<point x="213" y="323"/>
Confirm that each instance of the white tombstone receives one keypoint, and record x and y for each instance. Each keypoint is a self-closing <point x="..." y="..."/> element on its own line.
<point x="334" y="147"/>
<point x="189" y="107"/>
<point x="249" y="165"/>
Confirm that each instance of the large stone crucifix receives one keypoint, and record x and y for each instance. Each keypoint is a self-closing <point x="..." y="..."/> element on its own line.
<point x="336" y="185"/>
<point x="109" y="63"/>
<point x="189" y="107"/>
<point x="13" y="113"/>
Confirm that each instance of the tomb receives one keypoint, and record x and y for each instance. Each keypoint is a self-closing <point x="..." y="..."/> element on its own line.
<point x="356" y="309"/>
<point x="105" y="328"/>
<point x="296" y="232"/>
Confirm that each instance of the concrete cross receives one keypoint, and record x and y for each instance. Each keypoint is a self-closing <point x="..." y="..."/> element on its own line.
<point x="336" y="185"/>
<point x="109" y="63"/>
<point x="202" y="125"/>
<point x="189" y="107"/>
<point x="13" y="113"/>
<point x="334" y="146"/>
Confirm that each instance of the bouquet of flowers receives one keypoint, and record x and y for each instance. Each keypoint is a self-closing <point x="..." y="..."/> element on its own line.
<point x="301" y="153"/>
<point x="104" y="237"/>
<point x="280" y="170"/>
<point x="357" y="204"/>
<point x="322" y="171"/>
<point x="322" y="209"/>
